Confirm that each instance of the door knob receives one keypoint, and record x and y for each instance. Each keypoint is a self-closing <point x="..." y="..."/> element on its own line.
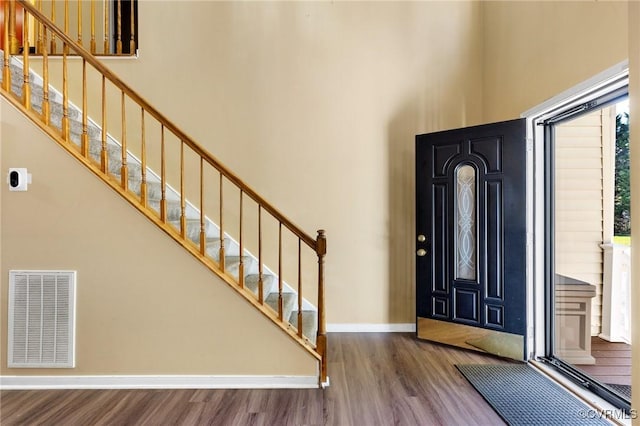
<point x="421" y="252"/>
<point x="422" y="238"/>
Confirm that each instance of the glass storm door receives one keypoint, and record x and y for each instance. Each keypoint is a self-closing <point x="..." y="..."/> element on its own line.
<point x="471" y="238"/>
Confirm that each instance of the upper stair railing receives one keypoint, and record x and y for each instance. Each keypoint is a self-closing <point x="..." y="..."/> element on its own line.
<point x="103" y="27"/>
<point x="239" y="211"/>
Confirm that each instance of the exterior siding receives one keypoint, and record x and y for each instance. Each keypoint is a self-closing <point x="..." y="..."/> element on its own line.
<point x="584" y="200"/>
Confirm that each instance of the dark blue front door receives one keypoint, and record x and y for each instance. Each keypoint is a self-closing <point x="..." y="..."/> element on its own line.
<point x="471" y="236"/>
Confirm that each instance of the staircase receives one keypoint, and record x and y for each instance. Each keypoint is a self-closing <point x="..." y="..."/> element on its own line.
<point x="149" y="191"/>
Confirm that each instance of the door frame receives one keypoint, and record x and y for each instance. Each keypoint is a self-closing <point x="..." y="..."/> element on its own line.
<point x="541" y="299"/>
<point x="537" y="214"/>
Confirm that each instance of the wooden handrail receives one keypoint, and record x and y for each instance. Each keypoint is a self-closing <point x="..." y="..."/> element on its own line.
<point x="168" y="124"/>
<point x="183" y="232"/>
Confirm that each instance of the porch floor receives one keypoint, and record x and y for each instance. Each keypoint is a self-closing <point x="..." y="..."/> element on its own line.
<point x="613" y="362"/>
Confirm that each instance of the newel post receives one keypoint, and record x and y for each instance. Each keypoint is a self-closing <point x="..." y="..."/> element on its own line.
<point x="321" y="338"/>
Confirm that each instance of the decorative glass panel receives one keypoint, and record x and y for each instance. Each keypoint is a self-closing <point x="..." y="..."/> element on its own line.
<point x="465" y="242"/>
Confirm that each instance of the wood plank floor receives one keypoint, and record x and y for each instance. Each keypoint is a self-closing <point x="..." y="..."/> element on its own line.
<point x="376" y="379"/>
<point x="613" y="362"/>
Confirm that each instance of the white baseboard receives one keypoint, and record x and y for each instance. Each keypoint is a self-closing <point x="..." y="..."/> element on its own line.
<point x="158" y="382"/>
<point x="372" y="328"/>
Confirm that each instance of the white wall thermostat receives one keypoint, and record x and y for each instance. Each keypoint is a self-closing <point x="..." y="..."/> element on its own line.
<point x="18" y="179"/>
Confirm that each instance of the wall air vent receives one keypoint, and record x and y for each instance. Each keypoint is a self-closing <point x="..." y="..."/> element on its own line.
<point x="41" y="319"/>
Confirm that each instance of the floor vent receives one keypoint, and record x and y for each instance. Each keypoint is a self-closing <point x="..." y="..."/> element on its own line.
<point x="41" y="319"/>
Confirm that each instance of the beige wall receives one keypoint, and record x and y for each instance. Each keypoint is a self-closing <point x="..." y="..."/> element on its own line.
<point x="368" y="77"/>
<point x="144" y="305"/>
<point x="534" y="50"/>
<point x="316" y="105"/>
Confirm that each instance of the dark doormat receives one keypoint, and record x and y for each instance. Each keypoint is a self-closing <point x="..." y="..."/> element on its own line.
<point x="523" y="396"/>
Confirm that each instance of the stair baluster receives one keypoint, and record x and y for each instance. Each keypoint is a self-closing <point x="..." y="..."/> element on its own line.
<point x="222" y="255"/>
<point x="65" y="93"/>
<point x="203" y="234"/>
<point x="52" y="48"/>
<point x="183" y="216"/>
<point x="12" y="45"/>
<point x="26" y="87"/>
<point x="105" y="28"/>
<point x="84" y="143"/>
<point x="299" y="288"/>
<point x="6" y="70"/>
<point x="163" y="177"/>
<point x="260" y="282"/>
<point x="80" y="22"/>
<point x="92" y="43"/>
<point x="39" y="43"/>
<point x="143" y="166"/>
<point x="132" y="41"/>
<point x="119" y="30"/>
<point x="280" y="303"/>
<point x="46" y="116"/>
<point x="124" y="173"/>
<point x="104" y="157"/>
<point x="66" y="17"/>
<point x="241" y="250"/>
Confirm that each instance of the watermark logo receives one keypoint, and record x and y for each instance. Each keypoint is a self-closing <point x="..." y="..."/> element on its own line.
<point x="607" y="414"/>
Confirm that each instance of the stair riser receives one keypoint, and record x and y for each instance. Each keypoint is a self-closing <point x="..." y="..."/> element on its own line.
<point x="213" y="249"/>
<point x="309" y="323"/>
<point x="288" y="303"/>
<point x="232" y="265"/>
<point x="55" y="106"/>
<point x="268" y="283"/>
<point x="192" y="231"/>
<point x="55" y="109"/>
<point x="154" y="189"/>
<point x="114" y="152"/>
<point x="76" y="128"/>
<point x="173" y="208"/>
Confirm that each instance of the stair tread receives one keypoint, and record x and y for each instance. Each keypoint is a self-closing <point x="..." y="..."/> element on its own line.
<point x="213" y="247"/>
<point x="309" y="323"/>
<point x="251" y="283"/>
<point x="213" y="240"/>
<point x="174" y="207"/>
<point x="232" y="265"/>
<point x="288" y="302"/>
<point x="154" y="189"/>
<point x="236" y="259"/>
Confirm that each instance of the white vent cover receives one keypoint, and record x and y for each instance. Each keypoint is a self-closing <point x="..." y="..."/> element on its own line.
<point x="42" y="319"/>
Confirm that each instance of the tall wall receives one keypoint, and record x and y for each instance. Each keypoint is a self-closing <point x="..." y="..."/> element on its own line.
<point x="536" y="50"/>
<point x="316" y="105"/>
